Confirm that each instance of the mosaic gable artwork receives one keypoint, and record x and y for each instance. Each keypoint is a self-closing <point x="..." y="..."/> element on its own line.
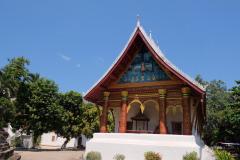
<point x="143" y="69"/>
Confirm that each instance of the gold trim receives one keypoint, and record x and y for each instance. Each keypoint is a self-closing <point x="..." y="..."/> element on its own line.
<point x="145" y="84"/>
<point x="106" y="94"/>
<point x="186" y="91"/>
<point x="136" y="101"/>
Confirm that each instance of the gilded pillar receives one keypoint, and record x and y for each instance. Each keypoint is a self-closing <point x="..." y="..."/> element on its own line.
<point x="123" y="114"/>
<point x="187" y="127"/>
<point x="162" y="111"/>
<point x="103" y="122"/>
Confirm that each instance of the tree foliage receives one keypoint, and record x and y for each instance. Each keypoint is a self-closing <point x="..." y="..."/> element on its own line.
<point x="231" y="115"/>
<point x="70" y="123"/>
<point x="37" y="107"/>
<point x="33" y="104"/>
<point x="7" y="111"/>
<point x="223" y="113"/>
<point x="91" y="119"/>
<point x="11" y="76"/>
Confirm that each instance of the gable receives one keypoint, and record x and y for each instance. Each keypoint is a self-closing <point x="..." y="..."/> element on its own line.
<point x="111" y="76"/>
<point x="143" y="68"/>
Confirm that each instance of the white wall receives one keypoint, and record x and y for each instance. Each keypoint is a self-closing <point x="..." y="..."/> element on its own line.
<point x="47" y="141"/>
<point x="133" y="146"/>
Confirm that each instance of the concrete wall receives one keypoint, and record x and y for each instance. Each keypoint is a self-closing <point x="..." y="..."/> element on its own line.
<point x="133" y="146"/>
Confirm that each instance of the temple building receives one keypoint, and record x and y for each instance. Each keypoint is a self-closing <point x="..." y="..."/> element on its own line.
<point x="149" y="96"/>
<point x="147" y="93"/>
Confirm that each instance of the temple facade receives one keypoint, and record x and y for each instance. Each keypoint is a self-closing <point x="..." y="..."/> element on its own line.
<point x="155" y="106"/>
<point x="147" y="93"/>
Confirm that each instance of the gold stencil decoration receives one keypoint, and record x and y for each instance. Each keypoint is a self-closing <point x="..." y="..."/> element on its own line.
<point x="136" y="101"/>
<point x="174" y="109"/>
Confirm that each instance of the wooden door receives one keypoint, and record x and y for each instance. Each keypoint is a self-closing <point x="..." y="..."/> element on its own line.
<point x="177" y="128"/>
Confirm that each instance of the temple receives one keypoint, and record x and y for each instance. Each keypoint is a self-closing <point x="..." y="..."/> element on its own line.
<point x="148" y="96"/>
<point x="147" y="93"/>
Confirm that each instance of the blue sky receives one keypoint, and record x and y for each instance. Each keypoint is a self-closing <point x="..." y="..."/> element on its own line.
<point x="73" y="42"/>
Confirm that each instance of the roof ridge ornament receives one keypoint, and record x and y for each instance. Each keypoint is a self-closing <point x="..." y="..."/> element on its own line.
<point x="150" y="34"/>
<point x="138" y="20"/>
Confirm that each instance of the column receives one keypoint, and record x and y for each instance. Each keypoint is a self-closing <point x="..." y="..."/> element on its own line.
<point x="103" y="122"/>
<point x="187" y="127"/>
<point x="162" y="111"/>
<point x="123" y="114"/>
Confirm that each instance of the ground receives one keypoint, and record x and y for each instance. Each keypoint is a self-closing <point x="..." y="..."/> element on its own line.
<point x="50" y="155"/>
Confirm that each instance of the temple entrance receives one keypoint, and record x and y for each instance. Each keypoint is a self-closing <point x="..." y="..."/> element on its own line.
<point x="143" y="117"/>
<point x="174" y="119"/>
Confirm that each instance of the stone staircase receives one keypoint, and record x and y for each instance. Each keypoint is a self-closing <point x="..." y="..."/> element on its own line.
<point x="5" y="150"/>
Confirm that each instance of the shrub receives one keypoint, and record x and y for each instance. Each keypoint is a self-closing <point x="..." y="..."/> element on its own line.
<point x="93" y="155"/>
<point x="152" y="156"/>
<point x="16" y="142"/>
<point x="119" y="157"/>
<point x="223" y="155"/>
<point x="191" y="156"/>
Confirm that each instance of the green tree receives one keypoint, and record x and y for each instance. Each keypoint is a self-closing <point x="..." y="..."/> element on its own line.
<point x="11" y="76"/>
<point x="7" y="111"/>
<point x="70" y="123"/>
<point x="37" y="107"/>
<point x="14" y="73"/>
<point x="90" y="117"/>
<point x="217" y="100"/>
<point x="231" y="116"/>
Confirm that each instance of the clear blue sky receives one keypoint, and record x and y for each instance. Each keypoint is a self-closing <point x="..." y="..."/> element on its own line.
<point x="73" y="42"/>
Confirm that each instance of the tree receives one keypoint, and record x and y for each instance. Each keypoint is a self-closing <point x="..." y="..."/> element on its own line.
<point x="217" y="100"/>
<point x="231" y="116"/>
<point x="37" y="107"/>
<point x="91" y="119"/>
<point x="223" y="112"/>
<point x="11" y="76"/>
<point x="70" y="123"/>
<point x="7" y="111"/>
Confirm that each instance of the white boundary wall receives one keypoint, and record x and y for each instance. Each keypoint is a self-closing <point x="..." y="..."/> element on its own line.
<point x="133" y="146"/>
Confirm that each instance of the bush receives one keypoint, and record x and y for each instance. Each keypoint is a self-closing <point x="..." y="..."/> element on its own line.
<point x="191" y="156"/>
<point x="16" y="142"/>
<point x="152" y="156"/>
<point x="93" y="155"/>
<point x="223" y="155"/>
<point x="119" y="157"/>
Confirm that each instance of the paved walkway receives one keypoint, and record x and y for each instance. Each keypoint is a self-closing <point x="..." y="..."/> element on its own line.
<point x="51" y="155"/>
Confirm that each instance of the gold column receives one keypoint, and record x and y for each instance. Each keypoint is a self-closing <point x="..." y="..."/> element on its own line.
<point x="123" y="114"/>
<point x="187" y="127"/>
<point x="103" y="122"/>
<point x="162" y="111"/>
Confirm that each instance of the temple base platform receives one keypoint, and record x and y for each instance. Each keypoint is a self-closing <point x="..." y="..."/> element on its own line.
<point x="133" y="146"/>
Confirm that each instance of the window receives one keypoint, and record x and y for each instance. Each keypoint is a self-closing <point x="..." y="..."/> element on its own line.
<point x="53" y="138"/>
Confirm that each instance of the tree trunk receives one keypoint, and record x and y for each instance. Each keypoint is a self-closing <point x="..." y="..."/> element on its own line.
<point x="65" y="143"/>
<point x="36" y="140"/>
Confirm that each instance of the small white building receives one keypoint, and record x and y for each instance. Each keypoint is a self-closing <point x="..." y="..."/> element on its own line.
<point x="52" y="141"/>
<point x="48" y="140"/>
